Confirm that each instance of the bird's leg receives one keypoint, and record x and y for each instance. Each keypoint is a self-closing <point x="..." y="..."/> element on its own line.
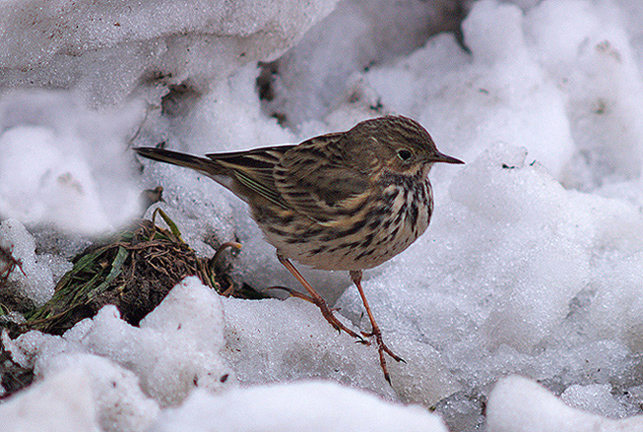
<point x="293" y="293"/>
<point x="356" y="276"/>
<point x="319" y="301"/>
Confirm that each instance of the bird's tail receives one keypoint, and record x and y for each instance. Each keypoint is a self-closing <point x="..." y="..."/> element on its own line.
<point x="203" y="165"/>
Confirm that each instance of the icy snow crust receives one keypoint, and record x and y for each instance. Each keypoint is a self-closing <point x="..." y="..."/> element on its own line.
<point x="530" y="271"/>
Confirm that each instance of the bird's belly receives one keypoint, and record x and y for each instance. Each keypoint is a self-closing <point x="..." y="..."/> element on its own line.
<point x="361" y="244"/>
<point x="349" y="254"/>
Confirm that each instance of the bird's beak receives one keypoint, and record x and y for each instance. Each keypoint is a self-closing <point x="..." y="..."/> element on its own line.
<point x="440" y="157"/>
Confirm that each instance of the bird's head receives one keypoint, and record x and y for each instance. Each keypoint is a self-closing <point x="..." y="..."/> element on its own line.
<point x="396" y="144"/>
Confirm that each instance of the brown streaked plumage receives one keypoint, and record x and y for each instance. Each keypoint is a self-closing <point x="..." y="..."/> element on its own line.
<point x="342" y="201"/>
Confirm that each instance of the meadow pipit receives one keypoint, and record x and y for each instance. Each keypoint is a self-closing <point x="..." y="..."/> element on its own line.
<point x="342" y="201"/>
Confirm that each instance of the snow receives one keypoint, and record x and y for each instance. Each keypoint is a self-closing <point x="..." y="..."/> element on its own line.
<point x="517" y="404"/>
<point x="62" y="163"/>
<point x="311" y="406"/>
<point x="105" y="49"/>
<point x="595" y="398"/>
<point x="523" y="296"/>
<point x="61" y="185"/>
<point x="62" y="403"/>
<point x="31" y="279"/>
<point x="289" y="342"/>
<point x="113" y="393"/>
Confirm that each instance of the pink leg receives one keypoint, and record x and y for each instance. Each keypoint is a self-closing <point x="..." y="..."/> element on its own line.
<point x="318" y="300"/>
<point x="356" y="276"/>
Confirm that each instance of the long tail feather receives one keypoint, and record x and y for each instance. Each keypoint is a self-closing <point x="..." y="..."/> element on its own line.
<point x="203" y="165"/>
<point x="244" y="173"/>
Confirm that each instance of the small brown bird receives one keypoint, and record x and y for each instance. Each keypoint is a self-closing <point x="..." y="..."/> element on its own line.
<point x="342" y="201"/>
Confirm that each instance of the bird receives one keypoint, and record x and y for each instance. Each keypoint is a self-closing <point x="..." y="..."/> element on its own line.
<point x="346" y="201"/>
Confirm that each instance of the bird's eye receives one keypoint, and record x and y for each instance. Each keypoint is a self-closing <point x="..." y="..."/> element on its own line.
<point x="404" y="154"/>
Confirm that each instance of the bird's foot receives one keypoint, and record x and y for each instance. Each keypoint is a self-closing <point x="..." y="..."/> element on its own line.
<point x="381" y="349"/>
<point x="327" y="312"/>
<point x="335" y="322"/>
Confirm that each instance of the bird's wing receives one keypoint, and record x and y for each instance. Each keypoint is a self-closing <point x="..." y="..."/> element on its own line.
<point x="314" y="180"/>
<point x="254" y="170"/>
